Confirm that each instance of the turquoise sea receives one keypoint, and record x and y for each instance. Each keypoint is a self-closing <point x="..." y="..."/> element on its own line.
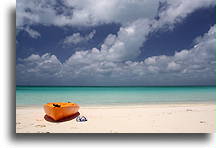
<point x="35" y="95"/>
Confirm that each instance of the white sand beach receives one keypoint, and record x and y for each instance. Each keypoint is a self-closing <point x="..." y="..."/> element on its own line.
<point x="158" y="118"/>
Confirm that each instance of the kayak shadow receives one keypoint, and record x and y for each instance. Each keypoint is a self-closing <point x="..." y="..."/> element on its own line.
<point x="49" y="119"/>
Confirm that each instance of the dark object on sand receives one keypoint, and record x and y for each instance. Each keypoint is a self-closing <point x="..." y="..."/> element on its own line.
<point x="81" y="119"/>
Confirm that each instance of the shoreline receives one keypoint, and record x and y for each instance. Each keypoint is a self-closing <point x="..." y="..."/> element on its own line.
<point x="128" y="104"/>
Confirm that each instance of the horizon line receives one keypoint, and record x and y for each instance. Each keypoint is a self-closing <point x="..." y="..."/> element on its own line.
<point x="112" y="85"/>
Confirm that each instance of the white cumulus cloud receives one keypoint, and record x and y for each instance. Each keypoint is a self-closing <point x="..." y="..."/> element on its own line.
<point x="78" y="38"/>
<point x="32" y="33"/>
<point x="189" y="66"/>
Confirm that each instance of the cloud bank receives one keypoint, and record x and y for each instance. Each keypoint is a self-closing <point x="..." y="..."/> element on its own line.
<point x="83" y="12"/>
<point x="189" y="66"/>
<point x="113" y="63"/>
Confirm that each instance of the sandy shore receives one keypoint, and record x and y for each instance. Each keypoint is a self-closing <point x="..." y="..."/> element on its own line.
<point x="164" y="118"/>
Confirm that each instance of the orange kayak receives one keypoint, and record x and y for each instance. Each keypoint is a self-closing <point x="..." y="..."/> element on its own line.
<point x="60" y="110"/>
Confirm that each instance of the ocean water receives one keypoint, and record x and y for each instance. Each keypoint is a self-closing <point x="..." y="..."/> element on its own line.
<point x="113" y="95"/>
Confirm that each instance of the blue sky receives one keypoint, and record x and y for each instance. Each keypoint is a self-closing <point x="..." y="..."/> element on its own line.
<point x="117" y="42"/>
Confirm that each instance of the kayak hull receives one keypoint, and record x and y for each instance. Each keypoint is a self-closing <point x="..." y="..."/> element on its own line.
<point x="62" y="110"/>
